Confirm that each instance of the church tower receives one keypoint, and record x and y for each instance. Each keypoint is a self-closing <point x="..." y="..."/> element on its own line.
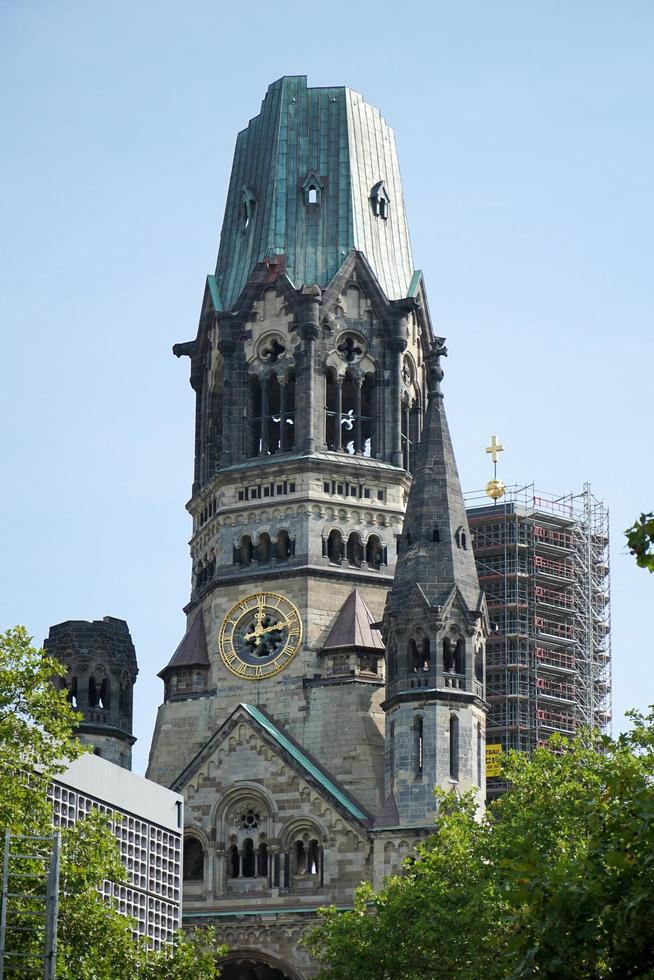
<point x="435" y="627"/>
<point x="311" y="367"/>
<point x="101" y="664"/>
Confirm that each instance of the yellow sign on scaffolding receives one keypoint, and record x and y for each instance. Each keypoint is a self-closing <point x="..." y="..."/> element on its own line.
<point x="494" y="755"/>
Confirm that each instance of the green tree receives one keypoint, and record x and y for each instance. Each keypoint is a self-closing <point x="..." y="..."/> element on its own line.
<point x="640" y="540"/>
<point x="555" y="881"/>
<point x="95" y="942"/>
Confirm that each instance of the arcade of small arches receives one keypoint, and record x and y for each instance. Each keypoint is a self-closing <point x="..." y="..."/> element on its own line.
<point x="293" y="862"/>
<point x="98" y="692"/>
<point x="420" y="657"/>
<point x="351" y="380"/>
<point x="264" y="549"/>
<point x="351" y="550"/>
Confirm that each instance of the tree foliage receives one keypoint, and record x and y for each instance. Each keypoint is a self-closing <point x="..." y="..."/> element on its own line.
<point x="555" y="881"/>
<point x="95" y="941"/>
<point x="640" y="541"/>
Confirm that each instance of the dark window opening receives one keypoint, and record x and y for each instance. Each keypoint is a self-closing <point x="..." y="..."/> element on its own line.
<point x="245" y="552"/>
<point x="233" y="862"/>
<point x="419" y="656"/>
<point x="375" y="553"/>
<point x="284" y="546"/>
<point x="454" y="747"/>
<point x="354" y="549"/>
<point x="335" y="549"/>
<point x="263" y="549"/>
<point x="349" y="414"/>
<point x="98" y="693"/>
<point x="418" y="746"/>
<point x="479" y="665"/>
<point x="436" y="535"/>
<point x="460" y="656"/>
<point x="448" y="656"/>
<point x="248" y="862"/>
<point x="193" y="859"/>
<point x="262" y="860"/>
<point x="272" y="410"/>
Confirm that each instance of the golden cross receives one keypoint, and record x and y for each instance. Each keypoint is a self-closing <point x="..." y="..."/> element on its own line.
<point x="494" y="448"/>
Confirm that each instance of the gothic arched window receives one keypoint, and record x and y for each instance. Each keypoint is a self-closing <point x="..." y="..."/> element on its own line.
<point x="460" y="656"/>
<point x="272" y="413"/>
<point x="349" y="413"/>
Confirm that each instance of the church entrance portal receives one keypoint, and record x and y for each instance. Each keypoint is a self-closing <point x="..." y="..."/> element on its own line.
<point x="248" y="968"/>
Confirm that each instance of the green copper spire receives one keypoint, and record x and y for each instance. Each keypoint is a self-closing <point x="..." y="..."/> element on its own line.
<point x="315" y="175"/>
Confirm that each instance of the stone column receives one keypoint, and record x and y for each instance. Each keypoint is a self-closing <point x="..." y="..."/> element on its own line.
<point x="358" y="449"/>
<point x="338" y="430"/>
<point x="264" y="383"/>
<point x="306" y="407"/>
<point x="282" y="413"/>
<point x="219" y="884"/>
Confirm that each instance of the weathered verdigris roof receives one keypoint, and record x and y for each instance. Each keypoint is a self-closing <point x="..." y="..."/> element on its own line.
<point x="334" y="136"/>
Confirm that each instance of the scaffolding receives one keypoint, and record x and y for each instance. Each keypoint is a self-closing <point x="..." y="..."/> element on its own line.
<point x="543" y="562"/>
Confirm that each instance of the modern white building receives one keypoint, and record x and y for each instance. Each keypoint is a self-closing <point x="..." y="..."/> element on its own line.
<point x="148" y="827"/>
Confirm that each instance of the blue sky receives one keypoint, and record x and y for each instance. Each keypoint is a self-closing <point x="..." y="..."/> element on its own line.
<point x="526" y="140"/>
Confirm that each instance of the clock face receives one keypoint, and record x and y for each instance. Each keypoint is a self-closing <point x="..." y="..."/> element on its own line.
<point x="260" y="635"/>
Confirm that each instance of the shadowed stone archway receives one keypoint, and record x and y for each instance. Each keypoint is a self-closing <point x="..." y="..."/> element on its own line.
<point x="255" y="966"/>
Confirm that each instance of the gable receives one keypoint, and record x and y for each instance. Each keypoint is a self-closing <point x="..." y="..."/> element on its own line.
<point x="250" y="748"/>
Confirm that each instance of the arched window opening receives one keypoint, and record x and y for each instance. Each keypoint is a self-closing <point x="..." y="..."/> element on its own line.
<point x="454" y="747"/>
<point x="408" y="539"/>
<point x="349" y="414"/>
<point x="98" y="693"/>
<point x="335" y="548"/>
<point x="193" y="859"/>
<point x="435" y="535"/>
<point x="262" y="860"/>
<point x="72" y="692"/>
<point x="354" y="549"/>
<point x="460" y="656"/>
<point x="272" y="414"/>
<point x="245" y="551"/>
<point x="312" y="197"/>
<point x="374" y="553"/>
<point x="283" y="546"/>
<point x="479" y="665"/>
<point x="233" y="862"/>
<point x="300" y="858"/>
<point x="419" y="655"/>
<point x="263" y="548"/>
<point x="313" y="857"/>
<point x="248" y="858"/>
<point x="448" y="656"/>
<point x="418" y="746"/>
<point x="464" y="541"/>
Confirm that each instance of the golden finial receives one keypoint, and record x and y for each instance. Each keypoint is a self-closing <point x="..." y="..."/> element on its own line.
<point x="495" y="488"/>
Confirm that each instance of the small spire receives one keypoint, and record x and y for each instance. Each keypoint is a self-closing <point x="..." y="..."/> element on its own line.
<point x="435" y="546"/>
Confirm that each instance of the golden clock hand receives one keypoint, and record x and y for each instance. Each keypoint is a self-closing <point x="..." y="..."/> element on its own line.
<point x="260" y="630"/>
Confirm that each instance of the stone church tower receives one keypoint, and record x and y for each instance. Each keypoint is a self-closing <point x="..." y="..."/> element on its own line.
<point x="101" y="664"/>
<point x="316" y="384"/>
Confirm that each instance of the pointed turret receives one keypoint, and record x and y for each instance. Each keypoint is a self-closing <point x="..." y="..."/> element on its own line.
<point x="435" y="547"/>
<point x="434" y="627"/>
